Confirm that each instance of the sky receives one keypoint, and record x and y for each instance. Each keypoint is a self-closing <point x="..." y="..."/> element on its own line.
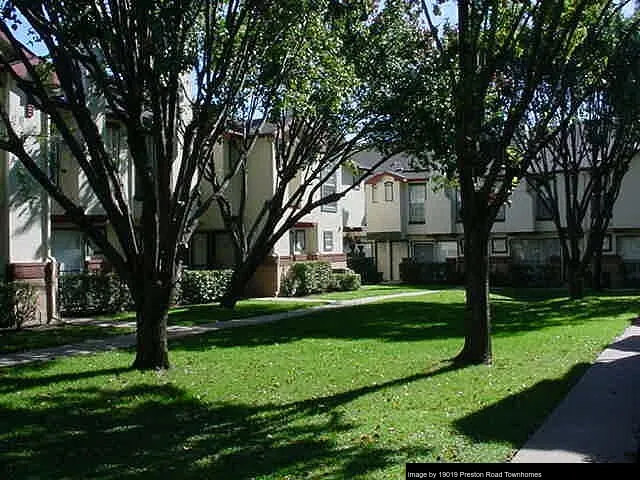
<point x="449" y="11"/>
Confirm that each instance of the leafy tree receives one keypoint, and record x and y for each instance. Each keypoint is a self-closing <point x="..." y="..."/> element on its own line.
<point x="486" y="75"/>
<point x="171" y="73"/>
<point x="319" y="117"/>
<point x="584" y="164"/>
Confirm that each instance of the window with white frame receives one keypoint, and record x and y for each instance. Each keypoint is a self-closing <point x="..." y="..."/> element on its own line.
<point x="388" y="191"/>
<point x="327" y="241"/>
<point x="298" y="241"/>
<point x="417" y="197"/>
<point x="329" y="188"/>
<point x="374" y="192"/>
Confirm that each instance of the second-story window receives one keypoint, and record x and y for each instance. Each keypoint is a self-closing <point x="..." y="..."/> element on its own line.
<point x="374" y="192"/>
<point x="417" y="197"/>
<point x="329" y="188"/>
<point x="113" y="143"/>
<point x="543" y="212"/>
<point x="388" y="191"/>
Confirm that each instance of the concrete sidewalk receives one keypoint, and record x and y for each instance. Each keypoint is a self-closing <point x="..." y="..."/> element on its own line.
<point x="88" y="347"/>
<point x="599" y="420"/>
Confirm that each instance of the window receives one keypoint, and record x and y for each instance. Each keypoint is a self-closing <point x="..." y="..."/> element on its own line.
<point x="417" y="195"/>
<point x="113" y="142"/>
<point x="388" y="191"/>
<point x="329" y="188"/>
<point x="423" y="252"/>
<point x="199" y="250"/>
<point x="458" y="206"/>
<point x="327" y="241"/>
<point x="606" y="243"/>
<point x="153" y="159"/>
<point x="374" y="193"/>
<point x="297" y="241"/>
<point x="535" y="251"/>
<point x="543" y="212"/>
<point x="498" y="245"/>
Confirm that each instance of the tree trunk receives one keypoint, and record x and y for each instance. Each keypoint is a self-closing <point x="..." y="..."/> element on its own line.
<point x="596" y="266"/>
<point x="477" y="318"/>
<point x="152" y="307"/>
<point x="575" y="278"/>
<point x="241" y="276"/>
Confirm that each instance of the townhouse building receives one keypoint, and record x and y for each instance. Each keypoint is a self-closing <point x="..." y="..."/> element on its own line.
<point x="410" y="217"/>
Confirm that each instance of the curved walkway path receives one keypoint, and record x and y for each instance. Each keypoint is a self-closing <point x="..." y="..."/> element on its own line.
<point x="88" y="347"/>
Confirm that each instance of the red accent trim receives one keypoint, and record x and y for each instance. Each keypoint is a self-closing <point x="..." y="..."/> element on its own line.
<point x="377" y="176"/>
<point x="26" y="270"/>
<point x="333" y="257"/>
<point x="305" y="224"/>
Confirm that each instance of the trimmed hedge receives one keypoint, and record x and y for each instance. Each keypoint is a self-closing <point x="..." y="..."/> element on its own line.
<point x="366" y="267"/>
<point x="305" y="278"/>
<point x="425" y="273"/>
<point x="202" y="286"/>
<point x="18" y="304"/>
<point x="91" y="294"/>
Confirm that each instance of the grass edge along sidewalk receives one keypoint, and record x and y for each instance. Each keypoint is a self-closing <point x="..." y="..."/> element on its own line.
<point x="95" y="345"/>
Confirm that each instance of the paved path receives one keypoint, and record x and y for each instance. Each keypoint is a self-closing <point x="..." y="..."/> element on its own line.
<point x="175" y="331"/>
<point x="599" y="420"/>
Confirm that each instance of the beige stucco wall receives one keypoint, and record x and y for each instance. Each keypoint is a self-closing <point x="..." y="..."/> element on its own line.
<point x="353" y="203"/>
<point x="439" y="210"/>
<point x="382" y="215"/>
<point x="24" y="199"/>
<point x="625" y="211"/>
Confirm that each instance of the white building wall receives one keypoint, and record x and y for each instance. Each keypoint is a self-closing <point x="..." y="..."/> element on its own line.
<point x="384" y="216"/>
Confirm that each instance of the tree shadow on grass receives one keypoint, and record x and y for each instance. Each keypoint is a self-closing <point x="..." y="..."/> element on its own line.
<point x="412" y="320"/>
<point x="504" y="421"/>
<point x="162" y="431"/>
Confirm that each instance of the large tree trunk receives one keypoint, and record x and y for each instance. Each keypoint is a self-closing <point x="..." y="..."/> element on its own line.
<point x="242" y="275"/>
<point x="596" y="267"/>
<point x="575" y="279"/>
<point x="152" y="308"/>
<point x="477" y="318"/>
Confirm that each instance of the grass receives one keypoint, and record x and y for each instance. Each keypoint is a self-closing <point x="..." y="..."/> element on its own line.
<point x="12" y="341"/>
<point x="202" y="314"/>
<point x="371" y="291"/>
<point x="352" y="393"/>
<point x="34" y="338"/>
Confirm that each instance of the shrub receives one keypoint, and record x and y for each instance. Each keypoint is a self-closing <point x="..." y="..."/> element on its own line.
<point x="346" y="281"/>
<point x="91" y="294"/>
<point x="304" y="278"/>
<point x="366" y="267"/>
<point x="202" y="286"/>
<point x="425" y="273"/>
<point x="18" y="304"/>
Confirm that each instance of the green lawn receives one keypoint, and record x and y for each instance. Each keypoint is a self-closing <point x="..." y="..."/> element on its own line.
<point x="202" y="314"/>
<point x="12" y="341"/>
<point x="372" y="291"/>
<point x="351" y="393"/>
<point x="33" y="338"/>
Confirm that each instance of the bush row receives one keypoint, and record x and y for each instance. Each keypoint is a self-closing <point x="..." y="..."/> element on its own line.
<point x="366" y="267"/>
<point x="516" y="275"/>
<point x="92" y="294"/>
<point x="18" y="304"/>
<point x="305" y="278"/>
